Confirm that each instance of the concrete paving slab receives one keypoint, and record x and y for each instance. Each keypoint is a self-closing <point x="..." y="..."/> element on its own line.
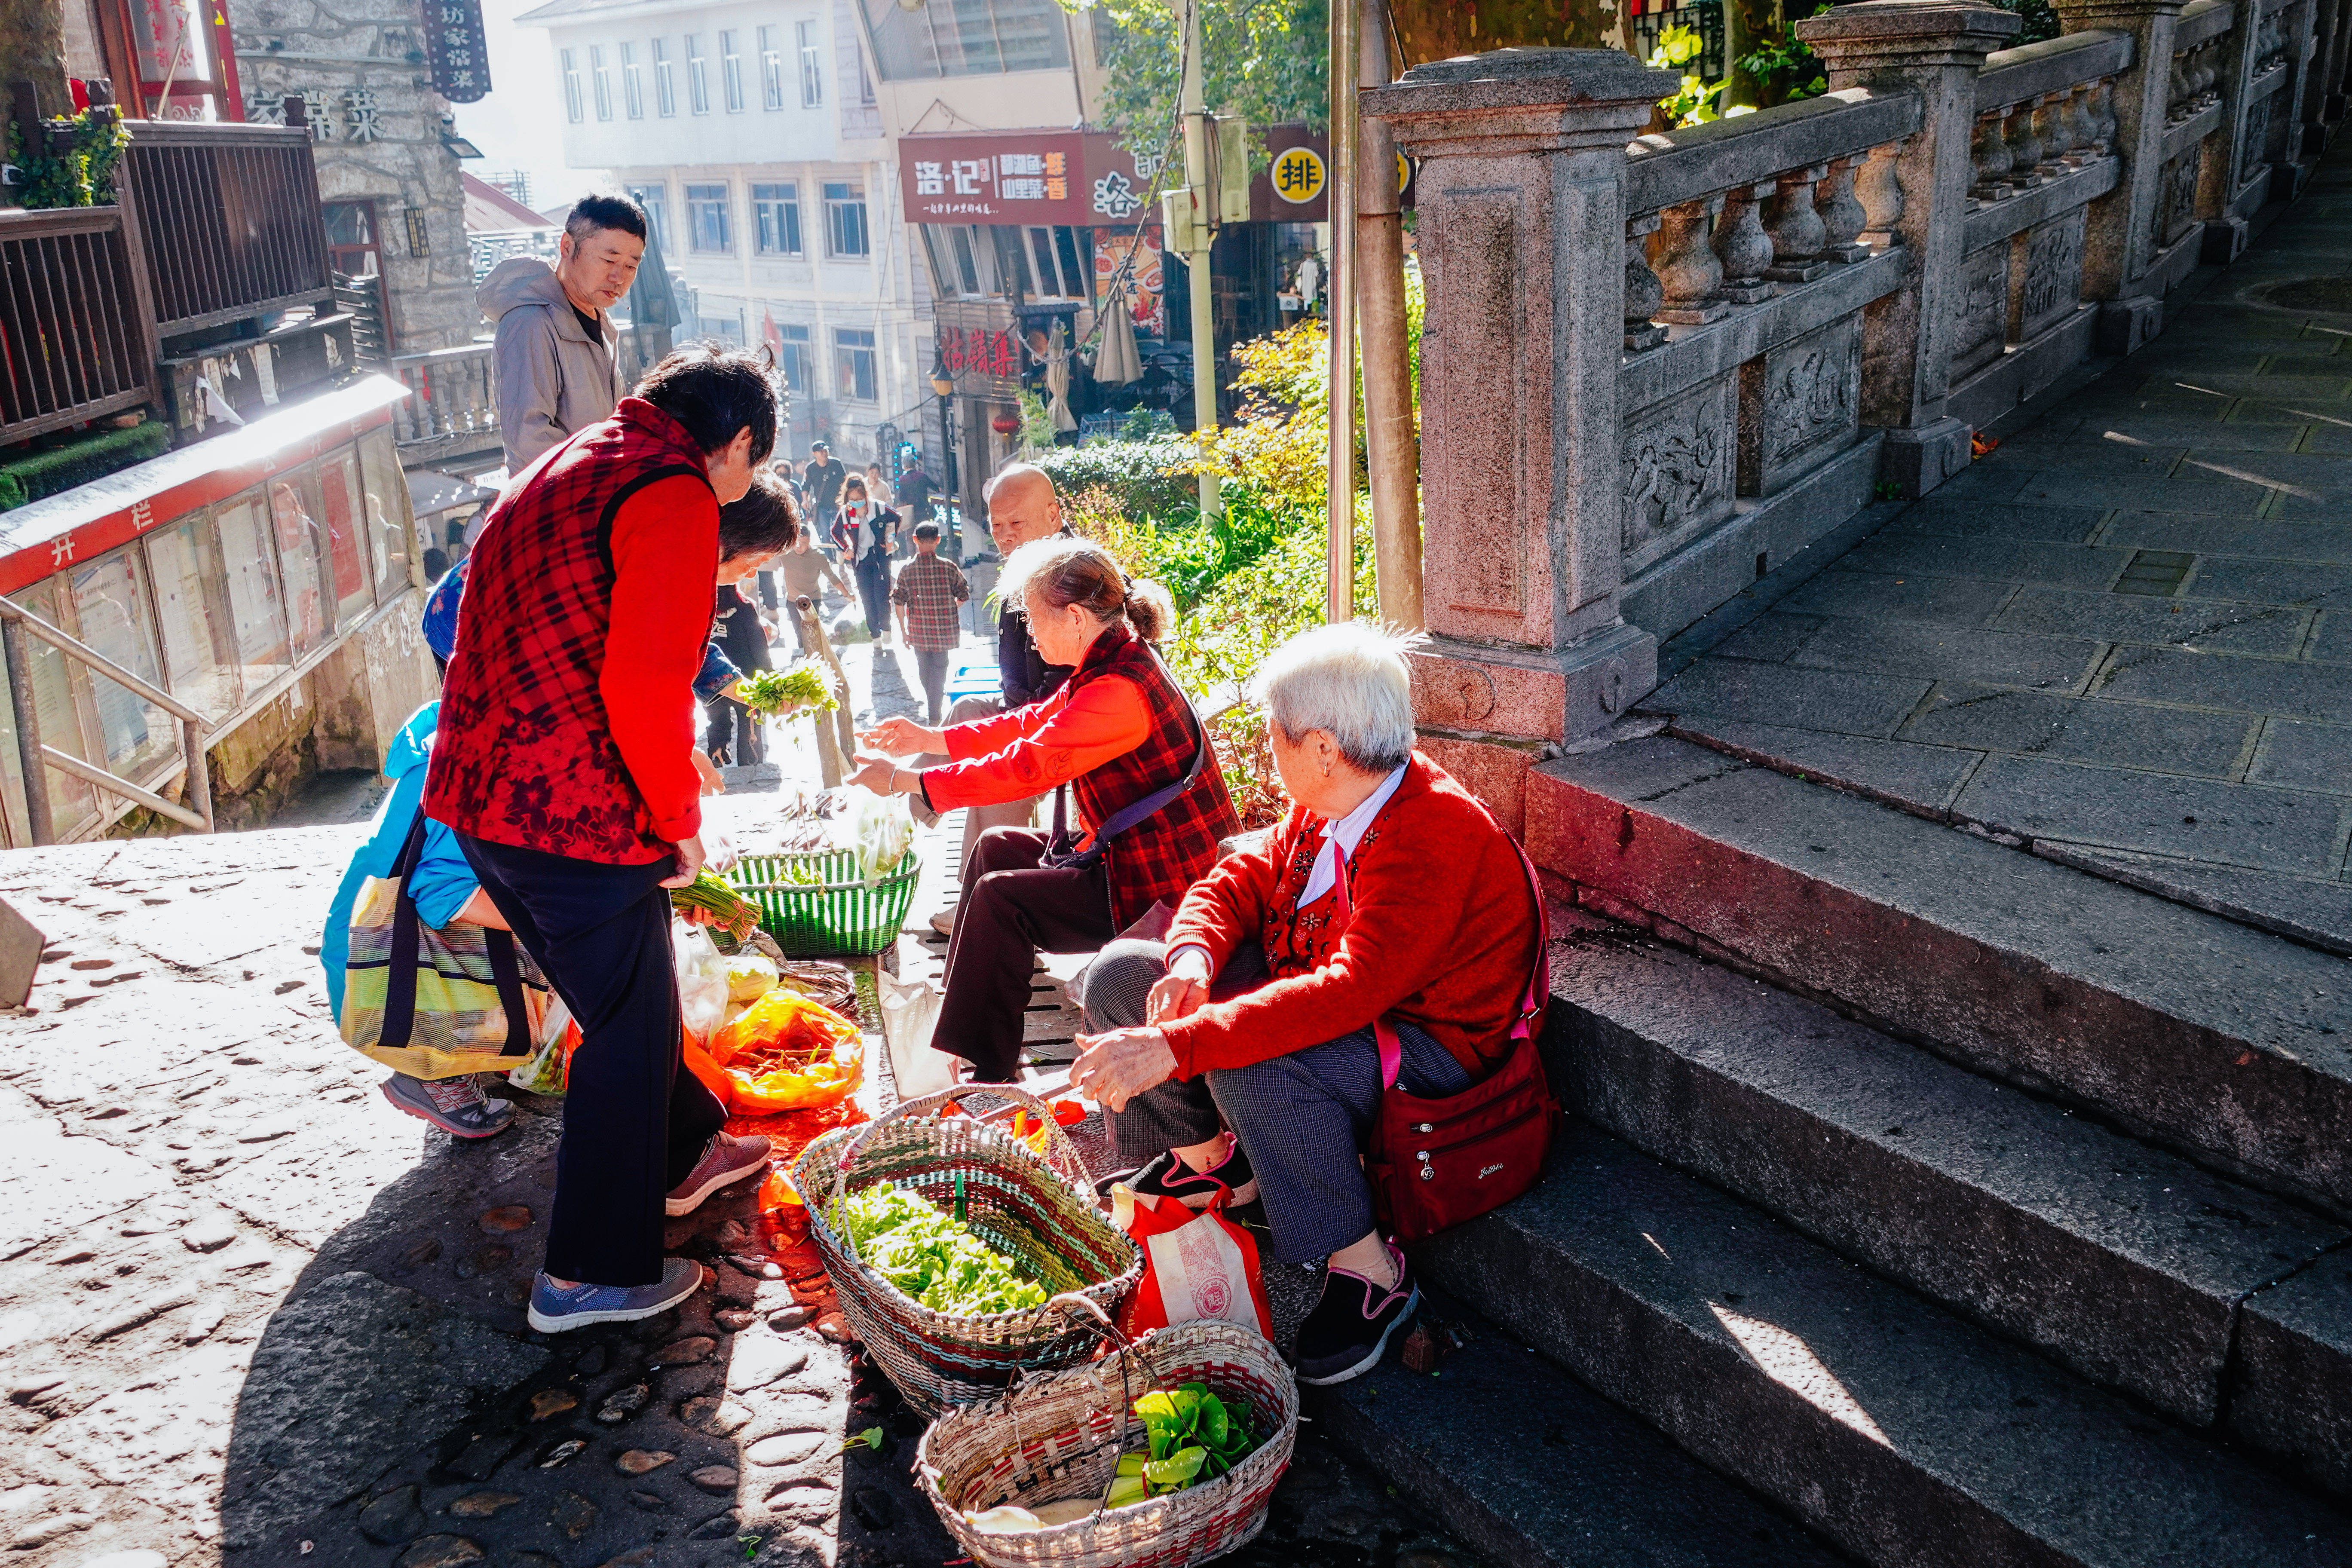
<point x="1946" y="653"/>
<point x="1838" y="701"/>
<point x="2282" y="687"/>
<point x="1918" y="777"/>
<point x="2300" y="755"/>
<point x="1899" y="1431"/>
<point x="2316" y="910"/>
<point x="2298" y="541"/>
<point x="2064" y="487"/>
<point x="2270" y="581"/>
<point x="2331" y="639"/>
<point x="2098" y="435"/>
<point x="2212" y="626"/>
<point x="1951" y="601"/>
<point x="2122" y="1262"/>
<point x="2017" y="452"/>
<point x="2049" y="563"/>
<point x="2125" y="734"/>
<point x="2163" y="813"/>
<point x="1769" y="638"/>
<point x="1983" y="519"/>
<point x="2293" y="1397"/>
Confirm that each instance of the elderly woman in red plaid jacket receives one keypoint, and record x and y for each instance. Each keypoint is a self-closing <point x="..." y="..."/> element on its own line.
<point x="1117" y="731"/>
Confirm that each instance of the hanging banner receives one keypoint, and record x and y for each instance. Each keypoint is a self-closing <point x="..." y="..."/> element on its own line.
<point x="1074" y="177"/>
<point x="1138" y="253"/>
<point x="453" y="47"/>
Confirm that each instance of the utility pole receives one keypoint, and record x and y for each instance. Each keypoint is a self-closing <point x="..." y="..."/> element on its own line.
<point x="1198" y="135"/>
<point x="1392" y="447"/>
<point x="1339" y="602"/>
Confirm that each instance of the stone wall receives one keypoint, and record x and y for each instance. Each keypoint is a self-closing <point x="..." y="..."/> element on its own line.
<point x="378" y="126"/>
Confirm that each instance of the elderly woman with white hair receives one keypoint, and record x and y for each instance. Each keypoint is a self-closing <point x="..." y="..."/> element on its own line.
<point x="1241" y="1051"/>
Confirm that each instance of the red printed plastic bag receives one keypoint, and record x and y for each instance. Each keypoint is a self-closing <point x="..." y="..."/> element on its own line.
<point x="1197" y="1264"/>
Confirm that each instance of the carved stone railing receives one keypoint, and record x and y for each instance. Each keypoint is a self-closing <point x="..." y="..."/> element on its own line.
<point x="454" y="402"/>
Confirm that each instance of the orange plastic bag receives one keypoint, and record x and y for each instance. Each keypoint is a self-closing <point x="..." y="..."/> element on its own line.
<point x="1197" y="1264"/>
<point x="788" y="1053"/>
<point x="714" y="1077"/>
<point x="1032" y="1132"/>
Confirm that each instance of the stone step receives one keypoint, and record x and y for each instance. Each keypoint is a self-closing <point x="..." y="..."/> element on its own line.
<point x="1532" y="1469"/>
<point x="2226" y="1043"/>
<point x="2126" y="1263"/>
<point x="1901" y="1432"/>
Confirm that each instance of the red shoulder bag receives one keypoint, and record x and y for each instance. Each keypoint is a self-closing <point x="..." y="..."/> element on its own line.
<point x="1434" y="1164"/>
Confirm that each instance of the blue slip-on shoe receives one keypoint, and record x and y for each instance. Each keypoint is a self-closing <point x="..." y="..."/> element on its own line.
<point x="553" y="1311"/>
<point x="725" y="1159"/>
<point x="456" y="1105"/>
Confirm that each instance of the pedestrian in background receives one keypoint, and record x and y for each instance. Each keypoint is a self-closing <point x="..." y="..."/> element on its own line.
<point x="929" y="589"/>
<point x="804" y="572"/>
<point x="822" y="480"/>
<point x="553" y="366"/>
<point x="866" y="532"/>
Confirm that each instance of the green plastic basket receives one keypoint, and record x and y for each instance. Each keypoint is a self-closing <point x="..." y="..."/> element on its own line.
<point x="839" y="915"/>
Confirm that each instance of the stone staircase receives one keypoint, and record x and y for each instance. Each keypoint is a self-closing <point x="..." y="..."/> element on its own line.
<point x="1963" y="1207"/>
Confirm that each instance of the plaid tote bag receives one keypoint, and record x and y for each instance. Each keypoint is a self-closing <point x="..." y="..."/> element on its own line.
<point x="435" y="1003"/>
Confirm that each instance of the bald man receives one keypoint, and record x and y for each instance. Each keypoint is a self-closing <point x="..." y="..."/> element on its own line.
<point x="1023" y="505"/>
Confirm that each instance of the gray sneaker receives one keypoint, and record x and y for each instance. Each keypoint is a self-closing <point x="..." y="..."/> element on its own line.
<point x="725" y="1159"/>
<point x="456" y="1105"/>
<point x="553" y="1311"/>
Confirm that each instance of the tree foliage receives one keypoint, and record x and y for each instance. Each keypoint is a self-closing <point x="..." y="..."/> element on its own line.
<point x="1266" y="60"/>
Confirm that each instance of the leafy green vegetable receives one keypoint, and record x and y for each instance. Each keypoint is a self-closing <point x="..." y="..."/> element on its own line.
<point x="871" y="1437"/>
<point x="710" y="893"/>
<point x="775" y="690"/>
<point x="1194" y="1436"/>
<point x="906" y="1238"/>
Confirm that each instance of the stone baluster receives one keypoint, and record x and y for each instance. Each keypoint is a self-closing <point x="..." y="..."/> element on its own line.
<point x="1743" y="247"/>
<point x="1841" y="217"/>
<point x="2024" y="147"/>
<point x="1988" y="159"/>
<point x="1644" y="295"/>
<point x="1795" y="229"/>
<point x="2082" y="123"/>
<point x="2103" y="107"/>
<point x="1687" y="269"/>
<point x="2051" y="129"/>
<point x="2118" y="243"/>
<point x="1879" y="189"/>
<point x="2176" y="95"/>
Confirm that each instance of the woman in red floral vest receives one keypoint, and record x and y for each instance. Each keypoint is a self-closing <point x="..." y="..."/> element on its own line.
<point x="1116" y="731"/>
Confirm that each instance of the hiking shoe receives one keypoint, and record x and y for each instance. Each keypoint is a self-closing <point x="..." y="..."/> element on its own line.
<point x="725" y="1159"/>
<point x="456" y="1105"/>
<point x="1166" y="1176"/>
<point x="553" y="1311"/>
<point x="1348" y="1330"/>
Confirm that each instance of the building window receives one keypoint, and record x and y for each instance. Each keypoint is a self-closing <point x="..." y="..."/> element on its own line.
<point x="864" y="77"/>
<point x="706" y="219"/>
<point x="352" y="245"/>
<point x="812" y="70"/>
<point x="110" y="615"/>
<point x="632" y="85"/>
<point x="794" y="356"/>
<point x="776" y="212"/>
<point x="1053" y="252"/>
<point x="730" y="70"/>
<point x="853" y="359"/>
<point x="600" y="76"/>
<point x="698" y="76"/>
<point x="771" y="71"/>
<point x="573" y="109"/>
<point x="967" y="37"/>
<point x="654" y="199"/>
<point x="665" y="82"/>
<point x="845" y="221"/>
<point x="191" y="587"/>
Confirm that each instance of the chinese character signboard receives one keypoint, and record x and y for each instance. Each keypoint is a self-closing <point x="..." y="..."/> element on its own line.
<point x="985" y="361"/>
<point x="1293" y="185"/>
<point x="453" y="40"/>
<point x="1020" y="177"/>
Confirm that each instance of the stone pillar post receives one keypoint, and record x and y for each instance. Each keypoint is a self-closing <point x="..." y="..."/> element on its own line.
<point x="2120" y="241"/>
<point x="1935" y="48"/>
<point x="1523" y="250"/>
<point x="2235" y="158"/>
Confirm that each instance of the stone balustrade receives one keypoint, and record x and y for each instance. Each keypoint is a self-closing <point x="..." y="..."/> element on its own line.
<point x="1656" y="366"/>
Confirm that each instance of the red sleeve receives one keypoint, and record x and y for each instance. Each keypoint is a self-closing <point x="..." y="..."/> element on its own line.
<point x="1043" y="745"/>
<point x="666" y="567"/>
<point x="1227" y="906"/>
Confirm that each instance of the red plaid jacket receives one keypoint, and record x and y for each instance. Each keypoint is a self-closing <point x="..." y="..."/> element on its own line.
<point x="525" y="754"/>
<point x="1165" y="853"/>
<point x="931" y="587"/>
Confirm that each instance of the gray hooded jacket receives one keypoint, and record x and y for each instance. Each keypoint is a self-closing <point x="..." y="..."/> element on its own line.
<point x="551" y="378"/>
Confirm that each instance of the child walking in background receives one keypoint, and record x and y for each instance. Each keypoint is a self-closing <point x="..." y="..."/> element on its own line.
<point x="928" y="593"/>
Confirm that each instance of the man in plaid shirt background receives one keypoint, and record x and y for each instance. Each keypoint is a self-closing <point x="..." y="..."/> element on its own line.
<point x="927" y="596"/>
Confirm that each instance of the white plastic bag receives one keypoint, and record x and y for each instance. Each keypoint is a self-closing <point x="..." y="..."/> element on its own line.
<point x="880" y="831"/>
<point x="910" y="1011"/>
<point x="701" y="980"/>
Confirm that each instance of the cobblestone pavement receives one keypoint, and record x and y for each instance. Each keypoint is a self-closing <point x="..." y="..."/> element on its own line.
<point x="255" y="1316"/>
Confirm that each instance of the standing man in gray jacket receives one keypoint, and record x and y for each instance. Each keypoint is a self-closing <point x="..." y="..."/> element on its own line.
<point x="554" y="368"/>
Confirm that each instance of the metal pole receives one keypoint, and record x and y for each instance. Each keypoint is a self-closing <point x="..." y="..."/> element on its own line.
<point x="1193" y="104"/>
<point x="37" y="825"/>
<point x="1340" y="560"/>
<point x="200" y="778"/>
<point x="1391" y="447"/>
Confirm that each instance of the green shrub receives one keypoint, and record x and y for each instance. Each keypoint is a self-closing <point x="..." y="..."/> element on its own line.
<point x="87" y="457"/>
<point x="1149" y="478"/>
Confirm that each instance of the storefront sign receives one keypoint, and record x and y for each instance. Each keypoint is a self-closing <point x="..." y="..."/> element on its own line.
<point x="976" y="350"/>
<point x="1021" y="177"/>
<point x="1131" y="264"/>
<point x="454" y="46"/>
<point x="1293" y="184"/>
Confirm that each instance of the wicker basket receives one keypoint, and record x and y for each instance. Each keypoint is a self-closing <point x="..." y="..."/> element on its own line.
<point x="1040" y="1213"/>
<point x="1061" y="1436"/>
<point x="840" y="915"/>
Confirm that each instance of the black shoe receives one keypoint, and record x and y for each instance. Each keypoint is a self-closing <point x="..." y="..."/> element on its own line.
<point x="1166" y="1176"/>
<point x="1348" y="1329"/>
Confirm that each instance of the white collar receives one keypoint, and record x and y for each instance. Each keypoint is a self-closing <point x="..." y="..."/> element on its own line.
<point x="1347" y="833"/>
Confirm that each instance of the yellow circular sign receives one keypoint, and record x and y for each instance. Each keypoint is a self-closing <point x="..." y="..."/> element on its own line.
<point x="1297" y="175"/>
<point x="1404" y="174"/>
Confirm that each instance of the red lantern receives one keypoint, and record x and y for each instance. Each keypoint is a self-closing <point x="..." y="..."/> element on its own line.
<point x="1005" y="424"/>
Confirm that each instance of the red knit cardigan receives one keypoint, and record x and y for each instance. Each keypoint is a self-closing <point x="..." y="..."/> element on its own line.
<point x="1443" y="933"/>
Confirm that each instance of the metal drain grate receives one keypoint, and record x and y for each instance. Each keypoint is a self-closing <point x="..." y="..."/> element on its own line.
<point x="2157" y="573"/>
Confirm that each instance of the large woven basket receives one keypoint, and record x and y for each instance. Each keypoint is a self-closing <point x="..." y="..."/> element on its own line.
<point x="1060" y="1435"/>
<point x="837" y="915"/>
<point x="1040" y="1213"/>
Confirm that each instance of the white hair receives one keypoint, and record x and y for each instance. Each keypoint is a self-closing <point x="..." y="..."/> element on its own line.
<point x="1348" y="679"/>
